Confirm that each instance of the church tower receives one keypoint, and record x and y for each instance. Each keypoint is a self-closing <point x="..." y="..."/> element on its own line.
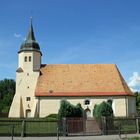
<point x="30" y="54"/>
<point x="29" y="63"/>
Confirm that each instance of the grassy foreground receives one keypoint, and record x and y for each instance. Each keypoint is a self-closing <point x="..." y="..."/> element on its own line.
<point x="134" y="138"/>
<point x="43" y="126"/>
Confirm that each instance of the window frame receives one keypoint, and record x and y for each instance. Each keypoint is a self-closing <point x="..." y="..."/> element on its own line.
<point x="25" y="59"/>
<point x="87" y="100"/>
<point x="30" y="58"/>
<point x="28" y="99"/>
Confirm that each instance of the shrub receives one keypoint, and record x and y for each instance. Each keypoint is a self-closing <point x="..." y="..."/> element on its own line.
<point x="69" y="110"/>
<point x="103" y="109"/>
<point x="78" y="111"/>
<point x="52" y="116"/>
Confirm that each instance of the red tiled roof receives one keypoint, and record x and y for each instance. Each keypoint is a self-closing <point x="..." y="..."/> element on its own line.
<point x="81" y="80"/>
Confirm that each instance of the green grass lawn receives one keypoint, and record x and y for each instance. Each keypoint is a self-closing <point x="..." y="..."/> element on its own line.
<point x="6" y="127"/>
<point x="41" y="127"/>
<point x="31" y="127"/>
<point x="128" y="128"/>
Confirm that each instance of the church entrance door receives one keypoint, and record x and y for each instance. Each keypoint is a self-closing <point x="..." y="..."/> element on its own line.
<point x="28" y="113"/>
<point x="88" y="112"/>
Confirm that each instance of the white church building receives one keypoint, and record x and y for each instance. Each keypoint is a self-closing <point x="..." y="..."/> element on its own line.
<point x="40" y="88"/>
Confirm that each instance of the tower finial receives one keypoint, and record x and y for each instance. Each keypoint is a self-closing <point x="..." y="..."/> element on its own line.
<point x="30" y="43"/>
<point x="31" y="19"/>
<point x="31" y="31"/>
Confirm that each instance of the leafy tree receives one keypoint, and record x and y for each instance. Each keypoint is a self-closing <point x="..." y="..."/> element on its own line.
<point x="103" y="109"/>
<point x="137" y="94"/>
<point x="78" y="110"/>
<point x="7" y="91"/>
<point x="69" y="110"/>
<point x="137" y="100"/>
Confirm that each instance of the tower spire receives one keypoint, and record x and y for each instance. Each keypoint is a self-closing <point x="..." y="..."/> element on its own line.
<point x="30" y="43"/>
<point x="31" y="31"/>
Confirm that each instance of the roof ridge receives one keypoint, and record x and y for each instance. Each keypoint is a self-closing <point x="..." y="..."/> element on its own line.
<point x="80" y="64"/>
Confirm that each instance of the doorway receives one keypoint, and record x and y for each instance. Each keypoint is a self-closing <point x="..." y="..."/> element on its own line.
<point x="88" y="112"/>
<point x="28" y="113"/>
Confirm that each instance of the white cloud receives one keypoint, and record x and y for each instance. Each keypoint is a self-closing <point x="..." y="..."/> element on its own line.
<point x="134" y="81"/>
<point x="17" y="35"/>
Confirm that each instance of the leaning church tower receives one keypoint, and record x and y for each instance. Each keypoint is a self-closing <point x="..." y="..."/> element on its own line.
<point x="29" y="63"/>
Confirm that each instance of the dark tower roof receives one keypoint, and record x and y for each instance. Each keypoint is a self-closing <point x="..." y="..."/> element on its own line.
<point x="30" y="43"/>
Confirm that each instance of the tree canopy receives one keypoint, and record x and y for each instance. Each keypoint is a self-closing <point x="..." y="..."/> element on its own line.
<point x="7" y="91"/>
<point x="69" y="110"/>
<point x="138" y="102"/>
<point x="103" y="109"/>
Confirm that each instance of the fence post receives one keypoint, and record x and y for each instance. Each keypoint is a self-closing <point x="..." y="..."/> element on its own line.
<point x="64" y="127"/>
<point x="23" y="129"/>
<point x="104" y="125"/>
<point x="137" y="125"/>
<point x="12" y="135"/>
<point x="57" y="132"/>
<point x="119" y="130"/>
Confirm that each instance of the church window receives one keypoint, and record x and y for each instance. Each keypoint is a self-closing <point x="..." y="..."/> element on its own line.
<point x="30" y="59"/>
<point x="28" y="98"/>
<point x="25" y="59"/>
<point x="87" y="102"/>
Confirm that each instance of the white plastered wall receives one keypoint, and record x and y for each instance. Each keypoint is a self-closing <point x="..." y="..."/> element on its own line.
<point x="131" y="105"/>
<point x="50" y="105"/>
<point x="25" y="86"/>
<point x="35" y="60"/>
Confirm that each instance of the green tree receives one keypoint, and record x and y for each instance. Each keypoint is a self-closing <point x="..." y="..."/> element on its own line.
<point x="137" y="100"/>
<point x="103" y="109"/>
<point x="78" y="111"/>
<point x="137" y="94"/>
<point x="7" y="91"/>
<point x="69" y="110"/>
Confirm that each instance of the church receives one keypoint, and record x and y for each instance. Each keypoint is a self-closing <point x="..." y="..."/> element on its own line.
<point x="41" y="87"/>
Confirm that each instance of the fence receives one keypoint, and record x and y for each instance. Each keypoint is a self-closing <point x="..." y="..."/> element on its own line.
<point x="120" y="125"/>
<point x="29" y="127"/>
<point x="69" y="126"/>
<point x="6" y="127"/>
<point x="81" y="126"/>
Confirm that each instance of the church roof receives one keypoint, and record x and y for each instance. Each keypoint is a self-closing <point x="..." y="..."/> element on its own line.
<point x="81" y="80"/>
<point x="30" y="43"/>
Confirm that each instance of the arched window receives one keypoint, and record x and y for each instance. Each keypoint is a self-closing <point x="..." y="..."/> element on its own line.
<point x="30" y="59"/>
<point x="25" y="59"/>
<point x="87" y="102"/>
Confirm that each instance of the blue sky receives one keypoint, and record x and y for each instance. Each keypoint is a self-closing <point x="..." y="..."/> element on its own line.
<point x="74" y="31"/>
